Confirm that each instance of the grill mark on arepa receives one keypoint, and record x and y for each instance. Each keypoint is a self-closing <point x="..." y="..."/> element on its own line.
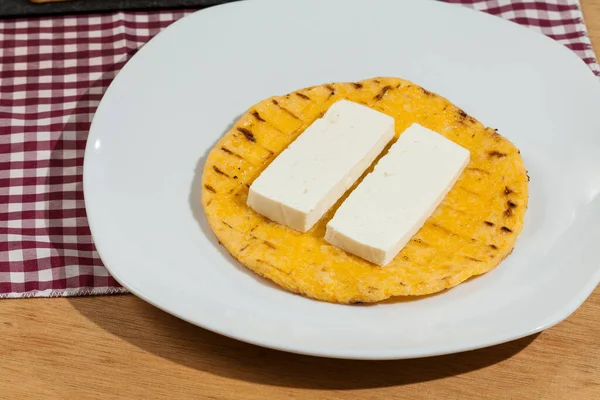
<point x="256" y="115"/>
<point x="382" y="93"/>
<point x="496" y="153"/>
<point x="508" y="190"/>
<point x="426" y="92"/>
<point x="509" y="210"/>
<point x="250" y="137"/>
<point x="302" y="96"/>
<point x="493" y="246"/>
<point x="258" y="260"/>
<point x="219" y="171"/>
<point x="247" y="134"/>
<point x="259" y="118"/>
<point x="285" y="110"/>
<point x="488" y="223"/>
<point x="226" y="224"/>
<point x="210" y="188"/>
<point x="357" y="85"/>
<point x="473" y="259"/>
<point x="269" y="244"/>
<point x="330" y="88"/>
<point x="506" y="229"/>
<point x="226" y="150"/>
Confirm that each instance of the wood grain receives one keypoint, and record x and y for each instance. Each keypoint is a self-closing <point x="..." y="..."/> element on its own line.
<point x="120" y="347"/>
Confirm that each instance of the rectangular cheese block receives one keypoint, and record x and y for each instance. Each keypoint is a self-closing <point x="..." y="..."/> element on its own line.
<point x="309" y="177"/>
<point x="393" y="202"/>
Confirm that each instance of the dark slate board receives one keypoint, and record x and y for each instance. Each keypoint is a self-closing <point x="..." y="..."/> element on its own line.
<point x="24" y="8"/>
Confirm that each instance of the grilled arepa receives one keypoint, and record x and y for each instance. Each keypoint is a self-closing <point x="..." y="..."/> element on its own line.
<point x="470" y="233"/>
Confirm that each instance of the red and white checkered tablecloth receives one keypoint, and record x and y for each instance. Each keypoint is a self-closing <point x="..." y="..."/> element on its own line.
<point x="53" y="72"/>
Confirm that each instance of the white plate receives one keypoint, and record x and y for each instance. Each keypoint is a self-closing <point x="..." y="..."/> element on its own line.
<point x="178" y="95"/>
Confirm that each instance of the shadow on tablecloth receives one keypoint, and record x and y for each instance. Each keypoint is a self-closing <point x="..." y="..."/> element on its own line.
<point x="168" y="337"/>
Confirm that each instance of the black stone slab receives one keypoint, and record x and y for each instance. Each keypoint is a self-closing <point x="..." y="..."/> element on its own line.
<point x="24" y="8"/>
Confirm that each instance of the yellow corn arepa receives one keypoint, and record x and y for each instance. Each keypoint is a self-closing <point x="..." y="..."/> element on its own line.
<point x="471" y="232"/>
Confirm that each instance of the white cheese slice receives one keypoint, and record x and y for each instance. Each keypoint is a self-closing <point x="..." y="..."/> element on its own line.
<point x="309" y="177"/>
<point x="393" y="202"/>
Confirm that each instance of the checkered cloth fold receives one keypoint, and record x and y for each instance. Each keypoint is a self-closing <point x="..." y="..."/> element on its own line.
<point x="53" y="72"/>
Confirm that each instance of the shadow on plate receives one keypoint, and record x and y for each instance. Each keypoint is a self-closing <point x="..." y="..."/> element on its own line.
<point x="159" y="333"/>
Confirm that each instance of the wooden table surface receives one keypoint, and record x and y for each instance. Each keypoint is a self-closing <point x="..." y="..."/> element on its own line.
<point x="120" y="347"/>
